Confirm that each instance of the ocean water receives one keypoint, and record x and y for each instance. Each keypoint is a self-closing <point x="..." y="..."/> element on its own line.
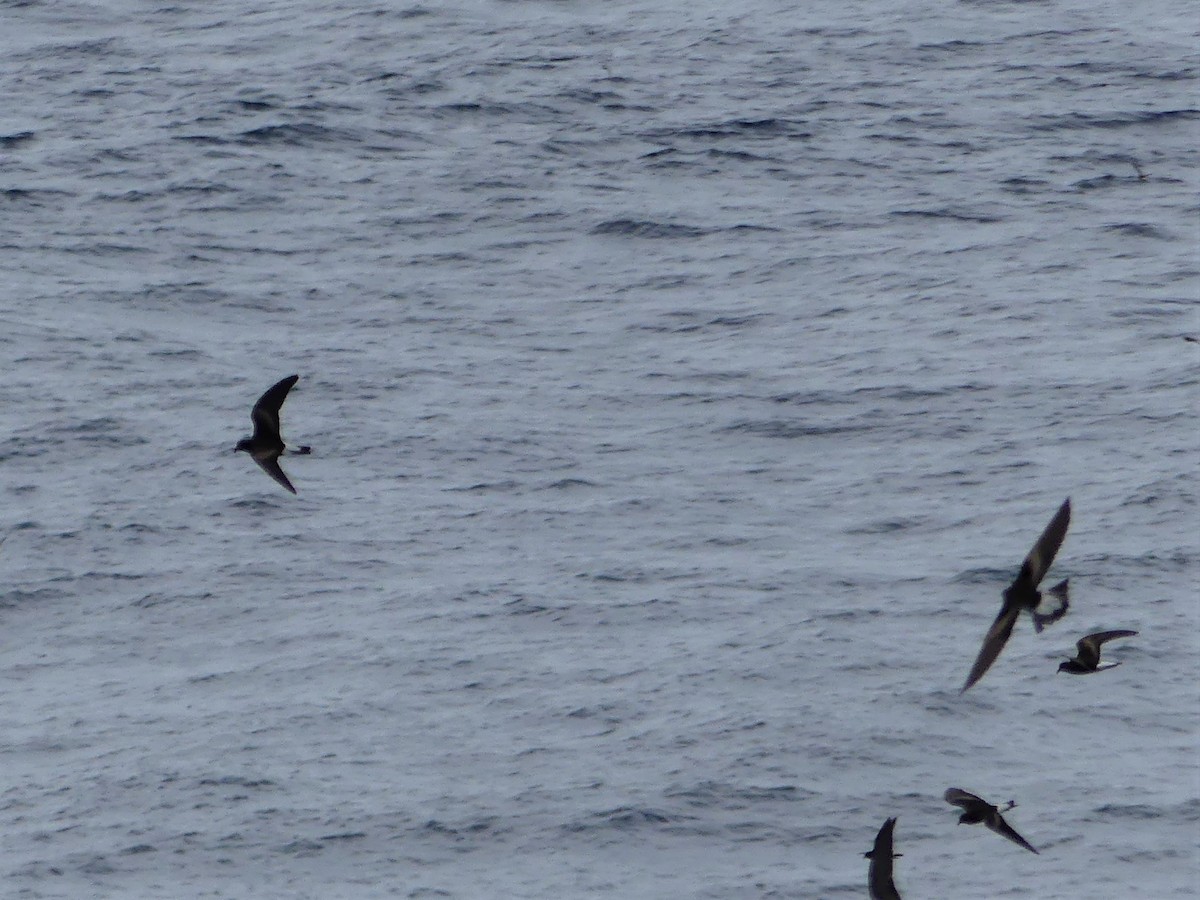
<point x="685" y="384"/>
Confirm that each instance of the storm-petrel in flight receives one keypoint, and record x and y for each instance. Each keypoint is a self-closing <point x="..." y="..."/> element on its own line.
<point x="879" y="873"/>
<point x="976" y="810"/>
<point x="1023" y="594"/>
<point x="266" y="445"/>
<point x="1087" y="656"/>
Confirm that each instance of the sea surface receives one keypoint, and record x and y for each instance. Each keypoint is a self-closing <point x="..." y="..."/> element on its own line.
<point x="685" y="383"/>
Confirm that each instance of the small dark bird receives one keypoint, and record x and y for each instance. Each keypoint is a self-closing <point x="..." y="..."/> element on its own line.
<point x="1087" y="653"/>
<point x="879" y="873"/>
<point x="976" y="810"/>
<point x="266" y="445"/>
<point x="1023" y="594"/>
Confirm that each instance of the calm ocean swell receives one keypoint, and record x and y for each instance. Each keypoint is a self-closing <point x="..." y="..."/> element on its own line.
<point x="685" y="386"/>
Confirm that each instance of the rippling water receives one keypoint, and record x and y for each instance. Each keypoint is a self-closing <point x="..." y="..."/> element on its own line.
<point x="685" y="385"/>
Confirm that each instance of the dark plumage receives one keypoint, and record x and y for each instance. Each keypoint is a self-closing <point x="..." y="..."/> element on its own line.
<point x="1087" y="653"/>
<point x="976" y="810"/>
<point x="1023" y="594"/>
<point x="879" y="873"/>
<point x="265" y="446"/>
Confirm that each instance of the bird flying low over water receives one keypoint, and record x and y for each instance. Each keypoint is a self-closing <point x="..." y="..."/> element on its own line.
<point x="879" y="873"/>
<point x="976" y="810"/>
<point x="265" y="446"/>
<point x="1023" y="594"/>
<point x="1087" y="653"/>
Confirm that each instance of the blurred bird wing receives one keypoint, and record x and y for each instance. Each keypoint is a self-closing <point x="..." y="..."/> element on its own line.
<point x="1087" y="651"/>
<point x="265" y="414"/>
<point x="1043" y="552"/>
<point x="883" y="840"/>
<point x="1089" y="646"/>
<point x="1053" y="605"/>
<point x="993" y="643"/>
<point x="879" y="880"/>
<point x="965" y="799"/>
<point x="879" y="873"/>
<point x="998" y="825"/>
<point x="270" y="465"/>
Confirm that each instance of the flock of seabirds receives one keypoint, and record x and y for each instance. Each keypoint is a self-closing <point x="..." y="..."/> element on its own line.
<point x="265" y="447"/>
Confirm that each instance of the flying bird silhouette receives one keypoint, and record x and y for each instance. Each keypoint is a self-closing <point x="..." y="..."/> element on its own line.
<point x="1023" y="594"/>
<point x="879" y="873"/>
<point x="976" y="810"/>
<point x="1087" y="653"/>
<point x="265" y="446"/>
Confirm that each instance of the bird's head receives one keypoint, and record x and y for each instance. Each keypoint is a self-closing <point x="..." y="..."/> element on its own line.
<point x="243" y="444"/>
<point x="1064" y="667"/>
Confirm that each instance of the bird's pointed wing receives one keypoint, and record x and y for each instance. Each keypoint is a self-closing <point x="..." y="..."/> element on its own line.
<point x="265" y="414"/>
<point x="1087" y="651"/>
<point x="1089" y="647"/>
<point x="993" y="643"/>
<point x="1042" y="555"/>
<point x="883" y="840"/>
<point x="998" y="825"/>
<point x="270" y="465"/>
<point x="1101" y="636"/>
<point x="965" y="799"/>
<point x="879" y="874"/>
<point x="879" y="880"/>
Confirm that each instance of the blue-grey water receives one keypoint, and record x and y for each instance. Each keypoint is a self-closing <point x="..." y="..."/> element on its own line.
<point x="686" y="382"/>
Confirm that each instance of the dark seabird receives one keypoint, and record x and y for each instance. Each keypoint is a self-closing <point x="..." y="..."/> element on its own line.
<point x="1023" y="594"/>
<point x="266" y="445"/>
<point x="879" y="874"/>
<point x="1087" y="655"/>
<point x="976" y="810"/>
